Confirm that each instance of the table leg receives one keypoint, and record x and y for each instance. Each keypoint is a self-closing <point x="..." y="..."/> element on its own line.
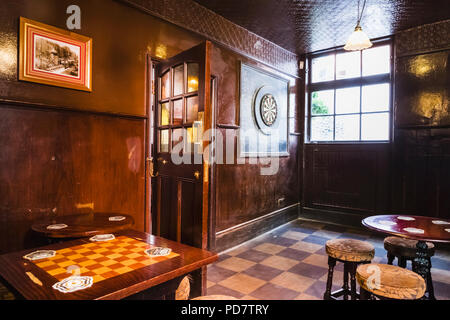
<point x="421" y="263"/>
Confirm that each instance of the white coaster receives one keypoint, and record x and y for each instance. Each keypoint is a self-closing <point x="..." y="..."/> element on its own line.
<point x="57" y="226"/>
<point x="40" y="254"/>
<point x="405" y="218"/>
<point x="158" y="252"/>
<point x="73" y="283"/>
<point x="116" y="218"/>
<point x="448" y="230"/>
<point x="387" y="223"/>
<point x="414" y="230"/>
<point x="102" y="237"/>
<point x="440" y="222"/>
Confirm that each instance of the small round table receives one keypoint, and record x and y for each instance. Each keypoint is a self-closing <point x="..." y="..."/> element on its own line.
<point x="418" y="228"/>
<point x="83" y="225"/>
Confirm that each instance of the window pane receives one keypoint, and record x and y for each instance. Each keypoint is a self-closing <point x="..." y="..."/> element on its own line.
<point x="322" y="102"/>
<point x="191" y="109"/>
<point x="323" y="68"/>
<point x="164" y="140"/>
<point x="178" y="112"/>
<point x="322" y="128"/>
<point x="192" y="77"/>
<point x="178" y="75"/>
<point x="177" y="137"/>
<point x="164" y="115"/>
<point x="189" y="147"/>
<point x="347" y="100"/>
<point x="348" y="65"/>
<point x="347" y="128"/>
<point x="377" y="60"/>
<point x="375" y="97"/>
<point x="165" y="86"/>
<point x="375" y="126"/>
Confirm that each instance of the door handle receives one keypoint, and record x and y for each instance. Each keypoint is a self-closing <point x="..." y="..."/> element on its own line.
<point x="197" y="175"/>
<point x="162" y="160"/>
<point x="152" y="168"/>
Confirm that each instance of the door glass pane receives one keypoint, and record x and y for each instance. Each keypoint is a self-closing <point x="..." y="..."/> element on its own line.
<point x="164" y="141"/>
<point x="322" y="102"/>
<point x="375" y="126"/>
<point x="322" y="128"/>
<point x="376" y="60"/>
<point x="348" y="65"/>
<point x="178" y="75"/>
<point x="347" y="100"/>
<point x="189" y="140"/>
<point x="177" y="137"/>
<point x="191" y="109"/>
<point x="192" y="77"/>
<point x="165" y="85"/>
<point x="323" y="68"/>
<point x="178" y="112"/>
<point x="375" y="97"/>
<point x="347" y="127"/>
<point x="164" y="114"/>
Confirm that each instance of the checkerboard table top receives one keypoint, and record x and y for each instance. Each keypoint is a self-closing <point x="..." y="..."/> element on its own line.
<point x="100" y="260"/>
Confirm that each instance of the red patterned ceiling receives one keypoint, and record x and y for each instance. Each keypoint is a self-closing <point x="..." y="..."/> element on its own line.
<point x="309" y="25"/>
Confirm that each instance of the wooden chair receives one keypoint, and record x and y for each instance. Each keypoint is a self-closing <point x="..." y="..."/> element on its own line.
<point x="215" y="297"/>
<point x="404" y="250"/>
<point x="389" y="282"/>
<point x="351" y="252"/>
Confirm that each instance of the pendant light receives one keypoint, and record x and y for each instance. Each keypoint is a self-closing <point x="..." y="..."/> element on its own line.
<point x="358" y="40"/>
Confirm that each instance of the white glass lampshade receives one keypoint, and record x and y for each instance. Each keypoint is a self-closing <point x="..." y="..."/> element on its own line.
<point x="358" y="40"/>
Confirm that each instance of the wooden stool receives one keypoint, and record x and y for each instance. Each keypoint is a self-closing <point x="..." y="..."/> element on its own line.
<point x="389" y="282"/>
<point x="404" y="250"/>
<point x="215" y="297"/>
<point x="184" y="289"/>
<point x="352" y="253"/>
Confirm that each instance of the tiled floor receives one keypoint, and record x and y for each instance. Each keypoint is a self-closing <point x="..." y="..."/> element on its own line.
<point x="291" y="263"/>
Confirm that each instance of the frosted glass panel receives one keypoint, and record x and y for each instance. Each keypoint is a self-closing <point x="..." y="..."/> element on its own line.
<point x="165" y="86"/>
<point x="323" y="68"/>
<point x="376" y="60"/>
<point x="322" y="128"/>
<point x="347" y="128"/>
<point x="347" y="100"/>
<point x="192" y="77"/>
<point x="322" y="102"/>
<point x="375" y="97"/>
<point x="178" y="80"/>
<point x="191" y="109"/>
<point x="165" y="114"/>
<point x="348" y="65"/>
<point x="375" y="126"/>
<point x="164" y="141"/>
<point x="178" y="112"/>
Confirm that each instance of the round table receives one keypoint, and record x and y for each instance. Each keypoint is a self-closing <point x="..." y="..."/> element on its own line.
<point x="84" y="225"/>
<point x="413" y="227"/>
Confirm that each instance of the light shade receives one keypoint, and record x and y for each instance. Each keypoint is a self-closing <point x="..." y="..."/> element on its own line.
<point x="358" y="40"/>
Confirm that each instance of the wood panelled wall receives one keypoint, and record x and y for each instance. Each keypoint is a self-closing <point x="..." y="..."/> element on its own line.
<point x="411" y="174"/>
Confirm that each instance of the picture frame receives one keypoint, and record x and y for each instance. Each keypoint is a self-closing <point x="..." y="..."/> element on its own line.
<point x="54" y="56"/>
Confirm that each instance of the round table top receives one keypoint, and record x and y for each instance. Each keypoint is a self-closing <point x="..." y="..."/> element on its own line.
<point x="83" y="225"/>
<point x="413" y="227"/>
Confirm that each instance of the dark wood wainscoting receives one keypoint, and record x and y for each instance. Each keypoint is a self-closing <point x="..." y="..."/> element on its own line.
<point x="58" y="162"/>
<point x="347" y="177"/>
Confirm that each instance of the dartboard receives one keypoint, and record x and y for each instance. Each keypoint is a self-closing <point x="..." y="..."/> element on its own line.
<point x="268" y="109"/>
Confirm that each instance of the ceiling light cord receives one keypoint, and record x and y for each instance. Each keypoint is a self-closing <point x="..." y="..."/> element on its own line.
<point x="362" y="11"/>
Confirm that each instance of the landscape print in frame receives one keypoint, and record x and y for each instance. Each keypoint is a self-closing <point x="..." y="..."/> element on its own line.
<point x="54" y="56"/>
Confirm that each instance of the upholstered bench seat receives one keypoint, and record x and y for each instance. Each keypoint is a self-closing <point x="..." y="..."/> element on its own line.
<point x="402" y="247"/>
<point x="350" y="250"/>
<point x="394" y="282"/>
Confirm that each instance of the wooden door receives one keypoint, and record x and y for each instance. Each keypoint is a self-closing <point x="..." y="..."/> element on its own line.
<point x="180" y="190"/>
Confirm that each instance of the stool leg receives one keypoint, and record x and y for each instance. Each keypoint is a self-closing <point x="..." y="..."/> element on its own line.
<point x="430" y="287"/>
<point x="331" y="265"/>
<point x="345" y="285"/>
<point x="353" y="280"/>
<point x="390" y="258"/>
<point x="364" y="294"/>
<point x="402" y="262"/>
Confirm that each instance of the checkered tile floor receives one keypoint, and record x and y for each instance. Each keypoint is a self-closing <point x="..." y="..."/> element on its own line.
<point x="291" y="263"/>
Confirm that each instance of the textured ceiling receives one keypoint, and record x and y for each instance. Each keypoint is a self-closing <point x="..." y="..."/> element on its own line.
<point x="309" y="25"/>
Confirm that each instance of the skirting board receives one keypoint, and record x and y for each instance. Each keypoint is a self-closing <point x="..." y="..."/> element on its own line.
<point x="334" y="217"/>
<point x="236" y="235"/>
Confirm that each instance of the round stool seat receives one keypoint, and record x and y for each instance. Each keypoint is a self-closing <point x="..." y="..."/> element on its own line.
<point x="215" y="297"/>
<point x="390" y="281"/>
<point x="402" y="247"/>
<point x="183" y="290"/>
<point x="350" y="250"/>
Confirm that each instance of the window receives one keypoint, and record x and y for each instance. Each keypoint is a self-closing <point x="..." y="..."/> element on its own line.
<point x="349" y="95"/>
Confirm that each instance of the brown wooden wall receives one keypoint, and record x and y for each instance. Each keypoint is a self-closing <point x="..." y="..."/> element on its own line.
<point x="410" y="174"/>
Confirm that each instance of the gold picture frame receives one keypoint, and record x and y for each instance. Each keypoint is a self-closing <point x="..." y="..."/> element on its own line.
<point x="54" y="56"/>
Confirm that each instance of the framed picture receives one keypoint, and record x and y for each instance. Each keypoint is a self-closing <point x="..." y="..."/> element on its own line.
<point x="263" y="116"/>
<point x="54" y="56"/>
